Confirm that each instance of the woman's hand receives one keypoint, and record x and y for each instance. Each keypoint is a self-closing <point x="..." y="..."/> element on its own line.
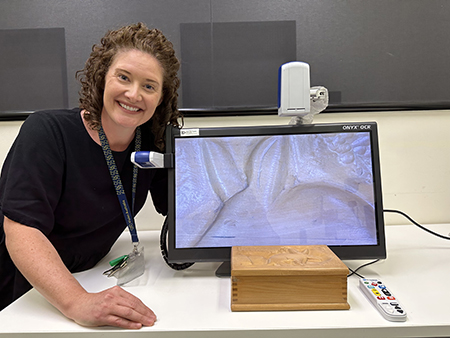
<point x="38" y="261"/>
<point x="114" y="307"/>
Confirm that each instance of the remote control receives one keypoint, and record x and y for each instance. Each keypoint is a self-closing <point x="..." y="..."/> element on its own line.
<point x="383" y="299"/>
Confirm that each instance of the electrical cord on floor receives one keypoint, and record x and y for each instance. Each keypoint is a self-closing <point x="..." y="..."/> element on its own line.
<point x="416" y="224"/>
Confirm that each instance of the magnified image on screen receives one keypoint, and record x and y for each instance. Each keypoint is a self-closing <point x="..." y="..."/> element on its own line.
<point x="304" y="189"/>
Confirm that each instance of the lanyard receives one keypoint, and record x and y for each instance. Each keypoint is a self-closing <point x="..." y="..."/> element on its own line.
<point x="129" y="215"/>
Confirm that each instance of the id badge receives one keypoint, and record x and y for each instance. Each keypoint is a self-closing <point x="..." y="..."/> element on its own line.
<point x="128" y="267"/>
<point x="134" y="268"/>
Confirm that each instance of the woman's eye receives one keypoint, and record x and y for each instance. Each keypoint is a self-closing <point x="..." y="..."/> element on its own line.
<point x="149" y="87"/>
<point x="123" y="77"/>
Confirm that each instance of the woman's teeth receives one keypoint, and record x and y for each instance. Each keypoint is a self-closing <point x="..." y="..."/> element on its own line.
<point x="128" y="107"/>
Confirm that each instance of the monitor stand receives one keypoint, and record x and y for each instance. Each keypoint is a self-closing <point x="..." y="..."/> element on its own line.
<point x="224" y="270"/>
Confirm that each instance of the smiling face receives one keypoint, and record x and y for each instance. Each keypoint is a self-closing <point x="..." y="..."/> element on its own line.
<point x="133" y="91"/>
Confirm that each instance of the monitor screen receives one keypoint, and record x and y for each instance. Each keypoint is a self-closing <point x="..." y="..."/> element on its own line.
<point x="275" y="185"/>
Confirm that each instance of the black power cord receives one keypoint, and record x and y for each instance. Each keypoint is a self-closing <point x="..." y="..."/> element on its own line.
<point x="354" y="272"/>
<point x="416" y="224"/>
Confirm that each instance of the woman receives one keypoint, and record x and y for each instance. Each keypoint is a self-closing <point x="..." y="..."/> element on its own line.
<point x="58" y="203"/>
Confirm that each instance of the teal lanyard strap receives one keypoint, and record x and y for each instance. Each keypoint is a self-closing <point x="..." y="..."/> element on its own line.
<point x="115" y="176"/>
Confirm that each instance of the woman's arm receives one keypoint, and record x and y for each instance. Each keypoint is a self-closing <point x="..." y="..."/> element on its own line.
<point x="39" y="262"/>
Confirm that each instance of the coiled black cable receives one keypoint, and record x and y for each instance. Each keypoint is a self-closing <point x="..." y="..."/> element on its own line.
<point x="163" y="247"/>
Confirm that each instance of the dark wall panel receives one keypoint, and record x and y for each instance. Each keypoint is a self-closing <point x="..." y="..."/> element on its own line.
<point x="366" y="52"/>
<point x="234" y="64"/>
<point x="33" y="73"/>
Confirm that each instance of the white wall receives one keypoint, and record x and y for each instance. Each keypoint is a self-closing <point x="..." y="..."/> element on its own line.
<point x="8" y="132"/>
<point x="414" y="155"/>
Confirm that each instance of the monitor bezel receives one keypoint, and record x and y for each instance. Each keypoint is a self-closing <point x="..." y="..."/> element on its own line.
<point x="223" y="254"/>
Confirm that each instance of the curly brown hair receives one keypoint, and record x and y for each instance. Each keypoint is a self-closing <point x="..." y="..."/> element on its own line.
<point x="136" y="36"/>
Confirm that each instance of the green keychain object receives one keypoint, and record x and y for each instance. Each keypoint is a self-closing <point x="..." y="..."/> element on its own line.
<point x="117" y="265"/>
<point x="118" y="260"/>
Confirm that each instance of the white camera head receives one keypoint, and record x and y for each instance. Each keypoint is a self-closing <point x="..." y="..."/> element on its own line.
<point x="295" y="96"/>
<point x="293" y="89"/>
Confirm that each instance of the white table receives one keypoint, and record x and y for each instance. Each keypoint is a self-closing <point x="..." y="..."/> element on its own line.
<point x="195" y="303"/>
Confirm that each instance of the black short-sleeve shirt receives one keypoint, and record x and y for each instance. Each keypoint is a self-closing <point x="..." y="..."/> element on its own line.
<point x="55" y="179"/>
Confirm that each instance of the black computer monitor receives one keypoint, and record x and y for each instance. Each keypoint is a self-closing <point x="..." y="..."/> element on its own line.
<point x="275" y="185"/>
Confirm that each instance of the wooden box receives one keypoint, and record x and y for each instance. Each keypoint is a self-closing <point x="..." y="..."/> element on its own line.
<point x="269" y="278"/>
